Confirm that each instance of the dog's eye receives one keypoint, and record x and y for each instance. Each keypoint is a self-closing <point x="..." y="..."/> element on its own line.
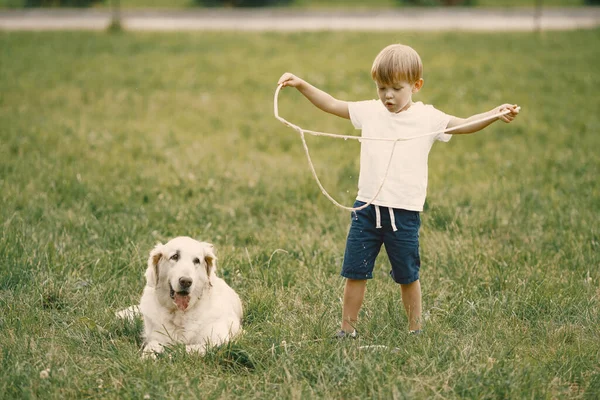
<point x="196" y="260"/>
<point x="175" y="257"/>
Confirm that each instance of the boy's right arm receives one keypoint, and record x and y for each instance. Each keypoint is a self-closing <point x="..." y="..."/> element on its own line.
<point x="323" y="101"/>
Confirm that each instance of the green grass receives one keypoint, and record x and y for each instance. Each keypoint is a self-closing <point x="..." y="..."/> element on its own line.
<point x="110" y="143"/>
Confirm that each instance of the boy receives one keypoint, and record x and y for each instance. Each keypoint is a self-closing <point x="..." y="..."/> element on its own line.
<point x="393" y="217"/>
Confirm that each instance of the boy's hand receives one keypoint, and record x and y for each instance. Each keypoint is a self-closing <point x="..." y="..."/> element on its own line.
<point x="510" y="116"/>
<point x="289" y="79"/>
<point x="322" y="100"/>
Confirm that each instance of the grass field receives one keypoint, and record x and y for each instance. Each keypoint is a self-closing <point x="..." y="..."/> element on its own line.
<point x="110" y="143"/>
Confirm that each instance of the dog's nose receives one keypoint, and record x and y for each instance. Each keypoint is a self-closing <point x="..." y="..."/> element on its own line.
<point x="185" y="282"/>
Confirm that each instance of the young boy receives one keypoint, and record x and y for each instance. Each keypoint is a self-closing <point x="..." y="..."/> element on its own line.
<point x="393" y="217"/>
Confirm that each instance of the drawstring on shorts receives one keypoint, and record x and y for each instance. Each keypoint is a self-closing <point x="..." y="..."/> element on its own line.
<point x="392" y="219"/>
<point x="378" y="218"/>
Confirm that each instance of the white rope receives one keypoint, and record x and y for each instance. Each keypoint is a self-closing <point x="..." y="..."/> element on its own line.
<point x="302" y="131"/>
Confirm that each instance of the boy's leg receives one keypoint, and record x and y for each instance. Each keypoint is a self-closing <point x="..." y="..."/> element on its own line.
<point x="402" y="246"/>
<point x="411" y="298"/>
<point x="354" y="293"/>
<point x="362" y="247"/>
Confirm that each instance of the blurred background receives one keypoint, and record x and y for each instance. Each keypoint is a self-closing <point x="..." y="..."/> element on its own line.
<point x="310" y="4"/>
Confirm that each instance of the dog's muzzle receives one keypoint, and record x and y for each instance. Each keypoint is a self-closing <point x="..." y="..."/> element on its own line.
<point x="182" y="297"/>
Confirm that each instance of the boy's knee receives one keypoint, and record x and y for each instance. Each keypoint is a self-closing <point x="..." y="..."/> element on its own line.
<point x="409" y="284"/>
<point x="405" y="280"/>
<point x="355" y="284"/>
<point x="351" y="280"/>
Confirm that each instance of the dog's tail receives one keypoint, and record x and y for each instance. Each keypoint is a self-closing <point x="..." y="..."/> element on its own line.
<point x="129" y="313"/>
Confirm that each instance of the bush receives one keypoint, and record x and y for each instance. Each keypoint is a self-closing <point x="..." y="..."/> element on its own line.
<point x="437" y="2"/>
<point x="592" y="2"/>
<point x="59" y="3"/>
<point x="242" y="3"/>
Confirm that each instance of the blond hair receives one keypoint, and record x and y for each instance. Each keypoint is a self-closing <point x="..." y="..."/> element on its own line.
<point x="397" y="62"/>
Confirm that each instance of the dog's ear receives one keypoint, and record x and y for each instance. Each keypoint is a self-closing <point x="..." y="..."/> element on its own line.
<point x="211" y="260"/>
<point x="152" y="272"/>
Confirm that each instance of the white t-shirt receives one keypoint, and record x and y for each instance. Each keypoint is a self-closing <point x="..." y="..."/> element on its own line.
<point x="406" y="183"/>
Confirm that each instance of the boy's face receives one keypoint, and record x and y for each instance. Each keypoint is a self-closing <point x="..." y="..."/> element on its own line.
<point x="397" y="97"/>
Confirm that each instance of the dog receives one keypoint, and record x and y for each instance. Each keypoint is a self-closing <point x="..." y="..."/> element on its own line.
<point x="184" y="301"/>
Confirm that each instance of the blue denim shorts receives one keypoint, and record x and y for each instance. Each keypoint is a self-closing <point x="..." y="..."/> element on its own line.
<point x="373" y="226"/>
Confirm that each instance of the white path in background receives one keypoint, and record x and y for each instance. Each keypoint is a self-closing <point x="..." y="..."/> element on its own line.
<point x="441" y="19"/>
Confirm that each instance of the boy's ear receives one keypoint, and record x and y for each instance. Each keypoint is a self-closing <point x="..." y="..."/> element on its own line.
<point x="418" y="85"/>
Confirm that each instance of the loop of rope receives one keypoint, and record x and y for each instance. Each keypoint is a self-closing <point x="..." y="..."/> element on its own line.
<point x="302" y="131"/>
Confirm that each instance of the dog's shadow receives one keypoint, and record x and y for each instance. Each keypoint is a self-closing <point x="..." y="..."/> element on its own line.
<point x="130" y="329"/>
<point x="230" y="356"/>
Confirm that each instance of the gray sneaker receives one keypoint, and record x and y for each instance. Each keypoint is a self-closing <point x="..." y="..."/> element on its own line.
<point x="345" y="335"/>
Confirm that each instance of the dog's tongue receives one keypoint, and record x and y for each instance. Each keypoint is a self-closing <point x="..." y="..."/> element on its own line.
<point x="182" y="301"/>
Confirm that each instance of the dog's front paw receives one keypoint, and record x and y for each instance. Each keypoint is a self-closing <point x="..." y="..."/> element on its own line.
<point x="151" y="350"/>
<point x="198" y="349"/>
<point x="129" y="313"/>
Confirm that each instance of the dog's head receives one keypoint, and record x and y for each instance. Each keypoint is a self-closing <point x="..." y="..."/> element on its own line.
<point x="181" y="269"/>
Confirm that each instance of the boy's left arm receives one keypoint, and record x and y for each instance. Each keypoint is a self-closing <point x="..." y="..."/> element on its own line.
<point x="455" y="121"/>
